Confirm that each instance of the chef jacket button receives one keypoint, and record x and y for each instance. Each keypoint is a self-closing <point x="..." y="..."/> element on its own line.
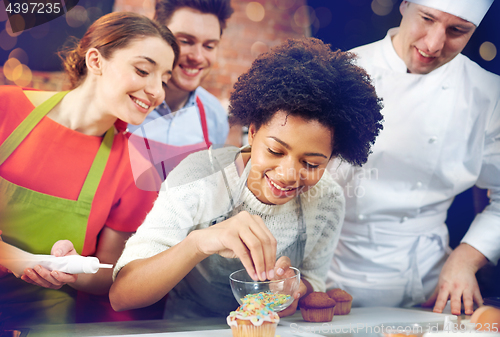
<point x="445" y="86"/>
<point x="418" y="184"/>
<point x="403" y="219"/>
<point x="432" y="140"/>
<point x="361" y="217"/>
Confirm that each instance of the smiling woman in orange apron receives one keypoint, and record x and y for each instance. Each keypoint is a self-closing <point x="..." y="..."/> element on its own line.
<point x="64" y="169"/>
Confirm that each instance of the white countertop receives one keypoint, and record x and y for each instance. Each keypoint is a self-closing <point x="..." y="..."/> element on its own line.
<point x="355" y="325"/>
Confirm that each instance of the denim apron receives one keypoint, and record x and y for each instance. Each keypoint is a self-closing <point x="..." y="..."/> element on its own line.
<point x="205" y="291"/>
<point x="34" y="221"/>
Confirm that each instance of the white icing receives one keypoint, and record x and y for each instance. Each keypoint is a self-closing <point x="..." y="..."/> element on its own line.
<point x="231" y="319"/>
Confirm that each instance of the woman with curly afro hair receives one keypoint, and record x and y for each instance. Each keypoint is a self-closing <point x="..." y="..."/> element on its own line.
<point x="305" y="78"/>
<point x="266" y="207"/>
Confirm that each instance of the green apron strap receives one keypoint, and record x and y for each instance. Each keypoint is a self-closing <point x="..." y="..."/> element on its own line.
<point x="96" y="170"/>
<point x="23" y="129"/>
<point x="19" y="134"/>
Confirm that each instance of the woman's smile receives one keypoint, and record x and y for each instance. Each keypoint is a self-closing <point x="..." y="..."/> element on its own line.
<point x="284" y="165"/>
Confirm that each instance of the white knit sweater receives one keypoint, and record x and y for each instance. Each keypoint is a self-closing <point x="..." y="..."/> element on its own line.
<point x="195" y="194"/>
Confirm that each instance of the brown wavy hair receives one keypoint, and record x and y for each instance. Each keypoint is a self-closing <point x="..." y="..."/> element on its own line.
<point x="109" y="33"/>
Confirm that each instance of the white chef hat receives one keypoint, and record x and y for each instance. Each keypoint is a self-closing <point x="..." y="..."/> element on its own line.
<point x="470" y="10"/>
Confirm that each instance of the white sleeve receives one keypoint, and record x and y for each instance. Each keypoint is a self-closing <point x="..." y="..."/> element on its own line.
<point x="324" y="224"/>
<point x="484" y="232"/>
<point x="172" y="217"/>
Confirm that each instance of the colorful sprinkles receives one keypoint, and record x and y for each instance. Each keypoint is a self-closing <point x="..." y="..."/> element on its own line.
<point x="267" y="298"/>
<point x="258" y="308"/>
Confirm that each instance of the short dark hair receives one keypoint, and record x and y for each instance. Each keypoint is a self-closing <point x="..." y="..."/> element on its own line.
<point x="305" y="78"/>
<point x="109" y="33"/>
<point x="164" y="9"/>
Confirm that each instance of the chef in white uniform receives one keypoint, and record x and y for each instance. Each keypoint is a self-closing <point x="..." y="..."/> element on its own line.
<point x="441" y="136"/>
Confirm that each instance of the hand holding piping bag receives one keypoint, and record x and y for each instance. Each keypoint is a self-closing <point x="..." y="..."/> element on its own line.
<point x="52" y="279"/>
<point x="49" y="271"/>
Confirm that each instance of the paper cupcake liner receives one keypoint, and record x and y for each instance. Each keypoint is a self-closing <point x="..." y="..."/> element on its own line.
<point x="317" y="315"/>
<point x="265" y="330"/>
<point x="343" y="308"/>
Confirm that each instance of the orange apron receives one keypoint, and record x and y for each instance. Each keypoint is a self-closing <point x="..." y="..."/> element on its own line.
<point x="34" y="221"/>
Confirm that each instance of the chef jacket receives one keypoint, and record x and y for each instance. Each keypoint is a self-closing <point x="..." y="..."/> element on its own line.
<point x="441" y="136"/>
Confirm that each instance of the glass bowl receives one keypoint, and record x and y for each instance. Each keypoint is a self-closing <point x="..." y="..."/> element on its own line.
<point x="242" y="285"/>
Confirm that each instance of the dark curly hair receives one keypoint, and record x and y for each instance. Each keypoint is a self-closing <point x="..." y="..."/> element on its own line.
<point x="305" y="78"/>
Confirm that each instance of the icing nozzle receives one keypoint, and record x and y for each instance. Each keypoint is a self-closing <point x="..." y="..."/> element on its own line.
<point x="105" y="266"/>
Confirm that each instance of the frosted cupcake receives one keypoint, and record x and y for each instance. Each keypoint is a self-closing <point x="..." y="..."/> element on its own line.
<point x="254" y="317"/>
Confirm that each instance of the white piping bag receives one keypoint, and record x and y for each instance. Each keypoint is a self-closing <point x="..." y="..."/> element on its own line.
<point x="16" y="260"/>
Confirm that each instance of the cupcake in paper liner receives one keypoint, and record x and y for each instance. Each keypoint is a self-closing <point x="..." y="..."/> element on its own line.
<point x="317" y="307"/>
<point x="254" y="317"/>
<point x="343" y="299"/>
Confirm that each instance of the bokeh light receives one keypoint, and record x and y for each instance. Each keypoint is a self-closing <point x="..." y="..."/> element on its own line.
<point x="382" y="7"/>
<point x="255" y="11"/>
<point x="39" y="32"/>
<point x="9" y="66"/>
<point x="148" y="7"/>
<point x="324" y="16"/>
<point x="29" y="20"/>
<point x="77" y="16"/>
<point x="18" y="22"/>
<point x="258" y="48"/>
<point x="488" y="51"/>
<point x="284" y="4"/>
<point x="22" y="75"/>
<point x="314" y="27"/>
<point x="94" y="13"/>
<point x="20" y="55"/>
<point x="7" y="42"/>
<point x="3" y="12"/>
<point x="304" y="16"/>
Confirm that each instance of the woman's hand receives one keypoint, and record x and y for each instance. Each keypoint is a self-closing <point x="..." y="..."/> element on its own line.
<point x="244" y="236"/>
<point x="42" y="277"/>
<point x="293" y="307"/>
<point x="283" y="271"/>
<point x="3" y="271"/>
